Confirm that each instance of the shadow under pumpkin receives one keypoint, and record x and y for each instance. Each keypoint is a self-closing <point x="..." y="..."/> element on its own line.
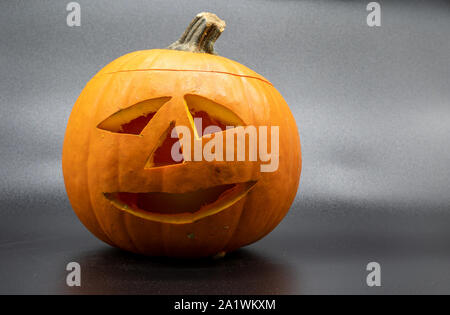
<point x="245" y="271"/>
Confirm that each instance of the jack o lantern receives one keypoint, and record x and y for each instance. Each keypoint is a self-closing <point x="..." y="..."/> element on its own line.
<point x="122" y="178"/>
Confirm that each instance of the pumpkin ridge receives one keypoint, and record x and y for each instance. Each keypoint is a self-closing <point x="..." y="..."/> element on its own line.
<point x="193" y="70"/>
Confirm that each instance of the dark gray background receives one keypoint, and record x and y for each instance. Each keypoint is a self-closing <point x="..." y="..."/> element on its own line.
<point x="373" y="110"/>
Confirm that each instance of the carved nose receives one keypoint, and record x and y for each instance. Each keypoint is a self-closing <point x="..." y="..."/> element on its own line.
<point x="168" y="150"/>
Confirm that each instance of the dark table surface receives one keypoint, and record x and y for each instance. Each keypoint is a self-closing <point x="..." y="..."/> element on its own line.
<point x="319" y="248"/>
<point x="372" y="106"/>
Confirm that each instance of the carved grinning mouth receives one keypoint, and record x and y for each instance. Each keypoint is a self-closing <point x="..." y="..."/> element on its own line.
<point x="180" y="208"/>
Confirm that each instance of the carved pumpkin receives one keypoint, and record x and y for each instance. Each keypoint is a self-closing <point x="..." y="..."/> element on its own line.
<point x="121" y="178"/>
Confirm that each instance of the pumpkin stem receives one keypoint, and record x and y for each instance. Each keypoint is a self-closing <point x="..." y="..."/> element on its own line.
<point x="201" y="34"/>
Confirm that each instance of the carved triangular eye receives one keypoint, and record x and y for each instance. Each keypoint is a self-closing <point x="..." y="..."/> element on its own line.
<point x="211" y="114"/>
<point x="132" y="120"/>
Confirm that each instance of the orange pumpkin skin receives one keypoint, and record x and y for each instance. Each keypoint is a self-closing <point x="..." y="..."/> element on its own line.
<point x="97" y="161"/>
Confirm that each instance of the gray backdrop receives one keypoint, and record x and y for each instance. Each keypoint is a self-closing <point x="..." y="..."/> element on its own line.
<point x="373" y="110"/>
